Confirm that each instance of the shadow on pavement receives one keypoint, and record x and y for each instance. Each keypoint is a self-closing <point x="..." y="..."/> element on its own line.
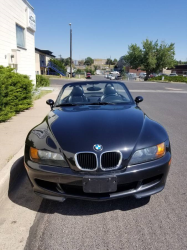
<point x="20" y="191"/>
<point x="72" y="207"/>
<point x="16" y="173"/>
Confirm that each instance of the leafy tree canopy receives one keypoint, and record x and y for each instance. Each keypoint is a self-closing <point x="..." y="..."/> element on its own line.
<point x="88" y="61"/>
<point x="115" y="61"/>
<point x="67" y="61"/>
<point x="95" y="67"/>
<point x="152" y="57"/>
<point x="109" y="61"/>
<point x="89" y="70"/>
<point x="59" y="63"/>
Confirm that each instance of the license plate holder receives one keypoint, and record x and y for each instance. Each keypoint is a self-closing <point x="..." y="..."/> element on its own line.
<point x="100" y="184"/>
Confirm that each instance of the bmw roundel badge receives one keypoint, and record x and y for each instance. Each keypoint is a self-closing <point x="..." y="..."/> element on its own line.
<point x="98" y="147"/>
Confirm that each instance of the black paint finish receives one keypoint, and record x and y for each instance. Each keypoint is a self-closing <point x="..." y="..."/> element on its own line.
<point x="68" y="130"/>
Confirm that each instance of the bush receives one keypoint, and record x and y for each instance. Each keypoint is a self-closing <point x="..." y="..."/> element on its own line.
<point x="15" y="93"/>
<point x="170" y="78"/>
<point x="79" y="72"/>
<point x="90" y="70"/>
<point x="42" y="81"/>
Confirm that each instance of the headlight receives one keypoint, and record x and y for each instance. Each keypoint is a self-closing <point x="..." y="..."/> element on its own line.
<point x="47" y="157"/>
<point x="148" y="154"/>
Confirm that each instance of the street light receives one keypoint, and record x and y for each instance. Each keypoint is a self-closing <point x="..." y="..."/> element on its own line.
<point x="70" y="50"/>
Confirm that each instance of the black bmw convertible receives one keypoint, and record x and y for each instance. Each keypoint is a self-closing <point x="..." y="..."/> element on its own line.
<point x="97" y="144"/>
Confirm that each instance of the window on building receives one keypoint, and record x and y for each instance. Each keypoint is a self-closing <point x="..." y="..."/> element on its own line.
<point x="20" y="36"/>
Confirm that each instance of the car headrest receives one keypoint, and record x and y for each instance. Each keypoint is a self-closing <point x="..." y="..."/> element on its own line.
<point x="77" y="91"/>
<point x="109" y="90"/>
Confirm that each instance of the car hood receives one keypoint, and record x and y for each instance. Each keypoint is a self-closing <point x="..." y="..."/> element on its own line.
<point x="78" y="128"/>
<point x="115" y="127"/>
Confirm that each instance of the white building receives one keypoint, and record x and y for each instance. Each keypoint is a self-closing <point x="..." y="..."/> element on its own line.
<point x="17" y="41"/>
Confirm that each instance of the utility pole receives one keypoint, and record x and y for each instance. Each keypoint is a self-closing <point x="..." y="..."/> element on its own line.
<point x="70" y="50"/>
<point x="110" y="61"/>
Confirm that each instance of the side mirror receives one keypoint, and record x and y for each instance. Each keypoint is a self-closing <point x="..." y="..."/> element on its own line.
<point x="138" y="99"/>
<point x="50" y="102"/>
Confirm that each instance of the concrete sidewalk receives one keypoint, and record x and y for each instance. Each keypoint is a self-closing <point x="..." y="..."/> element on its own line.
<point x="15" y="203"/>
<point x="14" y="131"/>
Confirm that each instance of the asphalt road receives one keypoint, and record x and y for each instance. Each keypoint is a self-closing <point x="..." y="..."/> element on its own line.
<point x="158" y="223"/>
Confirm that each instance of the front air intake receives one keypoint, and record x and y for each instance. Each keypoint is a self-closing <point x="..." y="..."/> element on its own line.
<point x="86" y="161"/>
<point x="111" y="160"/>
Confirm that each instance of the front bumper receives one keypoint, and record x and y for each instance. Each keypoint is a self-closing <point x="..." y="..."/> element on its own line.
<point x="57" y="183"/>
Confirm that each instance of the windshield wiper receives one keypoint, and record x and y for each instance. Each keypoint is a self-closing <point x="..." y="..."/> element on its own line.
<point x="101" y="103"/>
<point x="86" y="103"/>
<point x="66" y="104"/>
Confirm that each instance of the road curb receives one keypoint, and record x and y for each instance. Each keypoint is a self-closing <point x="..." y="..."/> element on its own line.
<point x="46" y="88"/>
<point x="168" y="82"/>
<point x="11" y="173"/>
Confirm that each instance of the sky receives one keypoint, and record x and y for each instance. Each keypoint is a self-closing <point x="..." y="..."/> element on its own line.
<point x="105" y="28"/>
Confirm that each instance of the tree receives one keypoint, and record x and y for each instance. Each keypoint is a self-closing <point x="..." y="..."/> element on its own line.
<point x="123" y="71"/>
<point x="62" y="60"/>
<point x="109" y="61"/>
<point x="67" y="61"/>
<point x="152" y="57"/>
<point x="89" y="70"/>
<point x="88" y="61"/>
<point x="59" y="63"/>
<point x="115" y="61"/>
<point x="133" y="57"/>
<point x="95" y="67"/>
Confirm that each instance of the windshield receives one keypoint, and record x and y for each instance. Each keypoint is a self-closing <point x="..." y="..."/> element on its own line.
<point x="94" y="93"/>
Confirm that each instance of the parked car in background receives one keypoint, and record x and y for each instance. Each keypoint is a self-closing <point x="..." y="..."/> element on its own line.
<point x="98" y="72"/>
<point x="153" y="75"/>
<point x="132" y="76"/>
<point x="113" y="77"/>
<point x="142" y="75"/>
<point x="115" y="72"/>
<point x="118" y="77"/>
<point x="173" y="74"/>
<point x="88" y="76"/>
<point x="73" y="74"/>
